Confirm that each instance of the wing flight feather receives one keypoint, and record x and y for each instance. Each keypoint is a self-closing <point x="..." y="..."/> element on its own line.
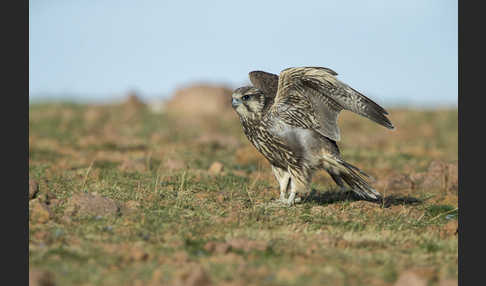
<point x="312" y="97"/>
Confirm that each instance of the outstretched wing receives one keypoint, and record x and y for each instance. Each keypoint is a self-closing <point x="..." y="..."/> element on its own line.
<point x="264" y="81"/>
<point x="312" y="97"/>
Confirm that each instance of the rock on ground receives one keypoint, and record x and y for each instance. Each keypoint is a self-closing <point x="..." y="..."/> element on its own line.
<point x="39" y="211"/>
<point x="84" y="204"/>
<point x="450" y="228"/>
<point x="195" y="277"/>
<point x="41" y="278"/>
<point x="438" y="175"/>
<point x="448" y="282"/>
<point x="216" y="168"/>
<point x="33" y="188"/>
<point x="409" y="278"/>
<point x="217" y="247"/>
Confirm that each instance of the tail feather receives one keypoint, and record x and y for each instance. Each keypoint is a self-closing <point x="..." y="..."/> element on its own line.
<point x="347" y="165"/>
<point x="354" y="177"/>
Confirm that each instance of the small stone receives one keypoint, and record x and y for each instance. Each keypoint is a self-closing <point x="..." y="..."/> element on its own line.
<point x="139" y="255"/>
<point x="41" y="278"/>
<point x="448" y="282"/>
<point x="220" y="198"/>
<point x="450" y="228"/>
<point x="409" y="278"/>
<point x="195" y="277"/>
<point x="216" y="168"/>
<point x="217" y="247"/>
<point x="222" y="248"/>
<point x="65" y="219"/>
<point x="157" y="275"/>
<point x="210" y="246"/>
<point x="54" y="202"/>
<point x="33" y="188"/>
<point x="39" y="211"/>
<point x="181" y="257"/>
<point x="49" y="198"/>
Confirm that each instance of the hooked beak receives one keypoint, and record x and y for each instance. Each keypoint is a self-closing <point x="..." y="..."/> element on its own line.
<point x="235" y="102"/>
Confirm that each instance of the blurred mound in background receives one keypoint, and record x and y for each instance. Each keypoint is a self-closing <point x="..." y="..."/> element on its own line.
<point x="200" y="100"/>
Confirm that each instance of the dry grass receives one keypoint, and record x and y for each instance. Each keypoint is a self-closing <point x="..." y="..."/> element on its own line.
<point x="179" y="224"/>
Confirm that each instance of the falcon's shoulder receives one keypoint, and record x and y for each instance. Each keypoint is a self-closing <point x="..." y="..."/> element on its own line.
<point x="297" y="104"/>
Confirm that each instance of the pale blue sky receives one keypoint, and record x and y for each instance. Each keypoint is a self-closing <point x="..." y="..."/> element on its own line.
<point x="393" y="51"/>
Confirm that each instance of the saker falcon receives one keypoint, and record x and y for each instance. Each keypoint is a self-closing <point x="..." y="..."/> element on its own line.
<point x="292" y="120"/>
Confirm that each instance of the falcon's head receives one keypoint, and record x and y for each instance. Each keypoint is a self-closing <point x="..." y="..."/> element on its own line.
<point x="249" y="102"/>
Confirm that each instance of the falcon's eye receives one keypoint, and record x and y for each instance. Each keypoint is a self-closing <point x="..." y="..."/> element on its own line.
<point x="245" y="97"/>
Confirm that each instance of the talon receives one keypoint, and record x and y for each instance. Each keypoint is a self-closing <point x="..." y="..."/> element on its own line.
<point x="277" y="203"/>
<point x="291" y="200"/>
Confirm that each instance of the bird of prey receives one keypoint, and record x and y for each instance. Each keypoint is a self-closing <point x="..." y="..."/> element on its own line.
<point x="291" y="119"/>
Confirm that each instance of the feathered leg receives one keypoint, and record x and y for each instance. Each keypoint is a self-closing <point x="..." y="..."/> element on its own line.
<point x="283" y="178"/>
<point x="299" y="184"/>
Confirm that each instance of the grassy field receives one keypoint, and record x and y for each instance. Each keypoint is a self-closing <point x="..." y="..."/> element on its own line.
<point x="121" y="195"/>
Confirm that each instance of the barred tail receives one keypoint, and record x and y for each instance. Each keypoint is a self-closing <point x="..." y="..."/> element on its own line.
<point x="354" y="177"/>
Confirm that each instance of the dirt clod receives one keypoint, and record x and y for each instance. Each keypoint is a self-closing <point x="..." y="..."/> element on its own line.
<point x="448" y="282"/>
<point x="449" y="228"/>
<point x="41" y="278"/>
<point x="215" y="168"/>
<point x="139" y="254"/>
<point x="439" y="175"/>
<point x="33" y="188"/>
<point x="39" y="211"/>
<point x="84" y="204"/>
<point x="217" y="247"/>
<point x="409" y="278"/>
<point x="197" y="276"/>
